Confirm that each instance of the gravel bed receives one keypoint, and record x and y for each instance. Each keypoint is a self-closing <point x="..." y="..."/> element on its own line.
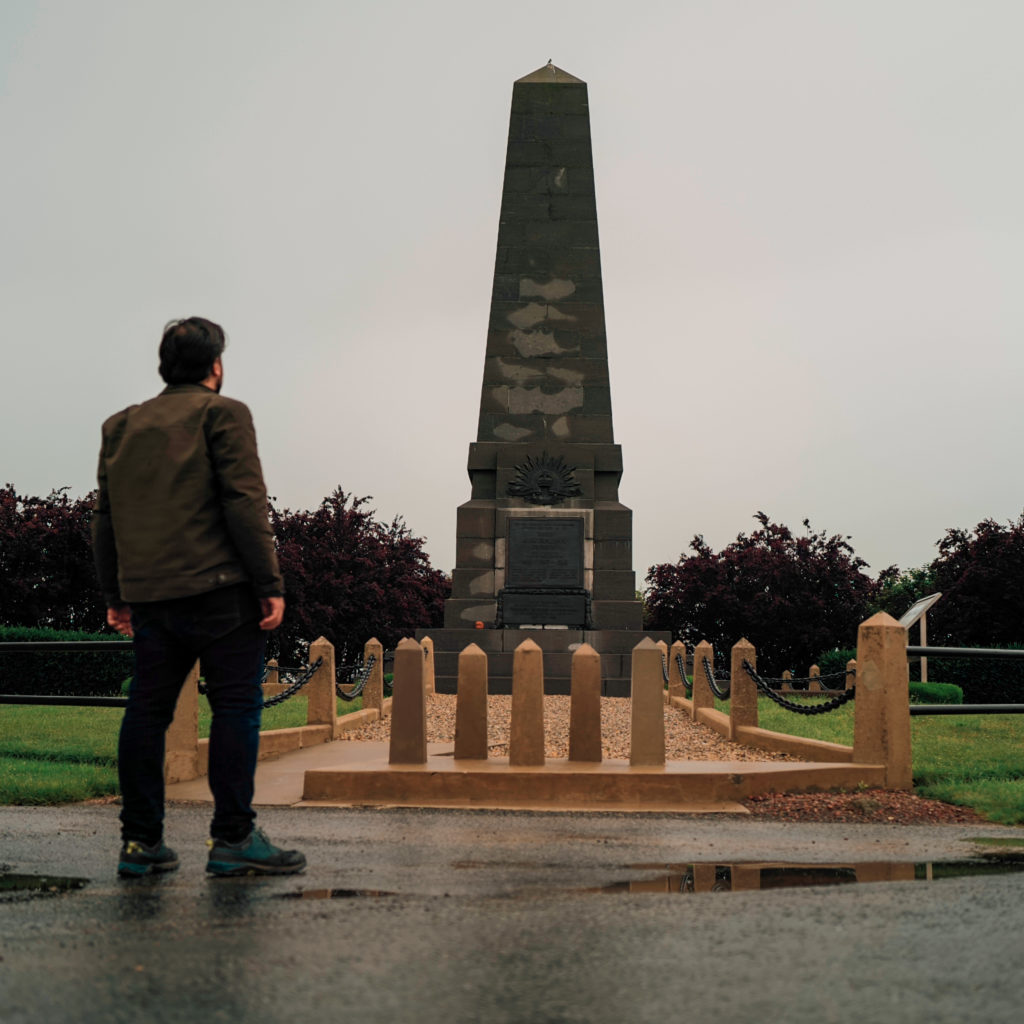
<point x="685" y="740"/>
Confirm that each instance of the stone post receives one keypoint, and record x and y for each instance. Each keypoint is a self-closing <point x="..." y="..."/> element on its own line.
<point x="647" y="707"/>
<point x="322" y="697"/>
<point x="373" y="691"/>
<point x="471" y="705"/>
<point x="272" y="678"/>
<point x="702" y="695"/>
<point x="585" y="705"/>
<point x="181" y="758"/>
<point x="676" y="680"/>
<point x="408" y="706"/>
<point x="428" y="664"/>
<point x="742" y="689"/>
<point x="881" y="724"/>
<point x="787" y="678"/>
<point x="851" y="666"/>
<point x="704" y="875"/>
<point x="526" y="733"/>
<point x="814" y="682"/>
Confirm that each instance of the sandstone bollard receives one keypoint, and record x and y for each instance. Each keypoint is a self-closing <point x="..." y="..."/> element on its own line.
<point x="408" y="706"/>
<point x="526" y="732"/>
<point x="373" y="691"/>
<point x="322" y="707"/>
<point x="881" y="723"/>
<point x="814" y="682"/>
<point x="676" y="680"/>
<point x="704" y="875"/>
<point x="585" y="705"/>
<point x="742" y="689"/>
<point x="787" y="679"/>
<point x="471" y="705"/>
<point x="647" y="707"/>
<point x="851" y="680"/>
<point x="702" y="695"/>
<point x="181" y="760"/>
<point x="428" y="664"/>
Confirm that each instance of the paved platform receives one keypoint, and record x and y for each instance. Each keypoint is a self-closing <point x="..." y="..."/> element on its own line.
<point x="354" y="773"/>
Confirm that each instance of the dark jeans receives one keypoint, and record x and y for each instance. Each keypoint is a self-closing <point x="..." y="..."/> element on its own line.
<point x="221" y="629"/>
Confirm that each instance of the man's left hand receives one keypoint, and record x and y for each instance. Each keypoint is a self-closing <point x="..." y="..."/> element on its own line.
<point x="273" y="612"/>
<point x="119" y="617"/>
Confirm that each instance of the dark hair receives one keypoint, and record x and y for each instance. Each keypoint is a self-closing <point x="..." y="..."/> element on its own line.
<point x="189" y="348"/>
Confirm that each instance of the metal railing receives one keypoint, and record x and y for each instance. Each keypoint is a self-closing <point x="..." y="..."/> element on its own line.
<point x="964" y="709"/>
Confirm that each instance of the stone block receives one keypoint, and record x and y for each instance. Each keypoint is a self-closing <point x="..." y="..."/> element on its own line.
<point x="482" y="483"/>
<point x="462" y="613"/>
<point x="473" y="520"/>
<point x="613" y="554"/>
<point x="537" y="97"/>
<point x="743" y="689"/>
<point x="613" y="523"/>
<point x="618" y="615"/>
<point x="474" y="553"/>
<point x="614" y="585"/>
<point x="473" y="583"/>
<point x="548" y="125"/>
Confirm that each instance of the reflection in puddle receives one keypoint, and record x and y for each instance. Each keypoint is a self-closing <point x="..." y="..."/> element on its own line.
<point x="331" y="894"/>
<point x="28" y="886"/>
<point x="754" y="876"/>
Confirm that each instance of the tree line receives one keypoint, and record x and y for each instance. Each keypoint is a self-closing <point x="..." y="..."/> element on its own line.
<point x="795" y="596"/>
<point x="348" y="575"/>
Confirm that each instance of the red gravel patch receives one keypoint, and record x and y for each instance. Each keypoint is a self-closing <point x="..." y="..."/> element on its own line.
<point x="870" y="806"/>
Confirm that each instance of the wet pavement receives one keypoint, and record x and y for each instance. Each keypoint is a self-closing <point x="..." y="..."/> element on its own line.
<point x="462" y="916"/>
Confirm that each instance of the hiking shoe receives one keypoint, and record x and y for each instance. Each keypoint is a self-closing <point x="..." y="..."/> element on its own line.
<point x="138" y="859"/>
<point x="254" y="855"/>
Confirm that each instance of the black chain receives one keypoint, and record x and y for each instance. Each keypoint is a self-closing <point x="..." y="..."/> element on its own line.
<point x="681" y="664"/>
<point x="293" y="688"/>
<point x="800" y="709"/>
<point x="779" y="681"/>
<point x="361" y="673"/>
<point x="722" y="693"/>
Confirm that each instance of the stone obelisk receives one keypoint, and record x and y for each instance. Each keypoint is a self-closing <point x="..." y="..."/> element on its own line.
<point x="544" y="547"/>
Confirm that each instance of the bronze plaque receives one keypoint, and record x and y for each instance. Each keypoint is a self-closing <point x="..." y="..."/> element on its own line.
<point x="544" y="553"/>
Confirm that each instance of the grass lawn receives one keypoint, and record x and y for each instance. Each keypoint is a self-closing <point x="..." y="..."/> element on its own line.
<point x="52" y="755"/>
<point x="975" y="760"/>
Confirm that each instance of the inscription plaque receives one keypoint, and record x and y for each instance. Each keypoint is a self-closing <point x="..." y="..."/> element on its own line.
<point x="540" y="609"/>
<point x="544" y="553"/>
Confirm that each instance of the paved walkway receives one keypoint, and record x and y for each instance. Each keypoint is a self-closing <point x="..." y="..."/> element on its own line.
<point x="447" y="917"/>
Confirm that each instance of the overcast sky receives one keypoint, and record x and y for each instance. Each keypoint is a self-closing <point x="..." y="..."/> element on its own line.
<point x="811" y="218"/>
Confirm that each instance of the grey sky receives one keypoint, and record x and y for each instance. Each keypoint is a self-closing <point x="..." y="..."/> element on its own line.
<point x="811" y="219"/>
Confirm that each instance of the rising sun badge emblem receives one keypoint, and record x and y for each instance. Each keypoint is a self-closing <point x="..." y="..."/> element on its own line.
<point x="544" y="481"/>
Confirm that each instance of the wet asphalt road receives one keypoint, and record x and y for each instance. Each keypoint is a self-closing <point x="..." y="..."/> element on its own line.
<point x="490" y="921"/>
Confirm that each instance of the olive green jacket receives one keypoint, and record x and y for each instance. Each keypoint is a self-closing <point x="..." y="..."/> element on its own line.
<point x="182" y="508"/>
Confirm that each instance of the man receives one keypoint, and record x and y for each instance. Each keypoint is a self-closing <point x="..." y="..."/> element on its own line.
<point x="185" y="557"/>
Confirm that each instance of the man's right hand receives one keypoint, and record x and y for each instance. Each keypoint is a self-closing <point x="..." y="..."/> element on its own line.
<point x="273" y="612"/>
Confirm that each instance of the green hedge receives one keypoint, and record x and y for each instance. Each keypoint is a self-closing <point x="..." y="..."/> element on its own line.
<point x="935" y="693"/>
<point x="62" y="673"/>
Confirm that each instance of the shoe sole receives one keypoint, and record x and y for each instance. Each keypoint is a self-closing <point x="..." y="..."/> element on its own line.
<point x="233" y="869"/>
<point x="128" y="870"/>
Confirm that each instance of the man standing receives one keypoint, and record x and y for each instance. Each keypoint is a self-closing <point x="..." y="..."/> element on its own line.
<point x="185" y="557"/>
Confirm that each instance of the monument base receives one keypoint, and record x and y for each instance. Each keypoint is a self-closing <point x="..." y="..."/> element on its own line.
<point x="614" y="645"/>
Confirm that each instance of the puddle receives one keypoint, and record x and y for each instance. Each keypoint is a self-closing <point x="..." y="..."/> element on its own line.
<point x="751" y="877"/>
<point x="332" y="894"/>
<point x="13" y="887"/>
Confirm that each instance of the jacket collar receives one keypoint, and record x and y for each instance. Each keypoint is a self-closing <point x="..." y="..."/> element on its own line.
<point x="173" y="389"/>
